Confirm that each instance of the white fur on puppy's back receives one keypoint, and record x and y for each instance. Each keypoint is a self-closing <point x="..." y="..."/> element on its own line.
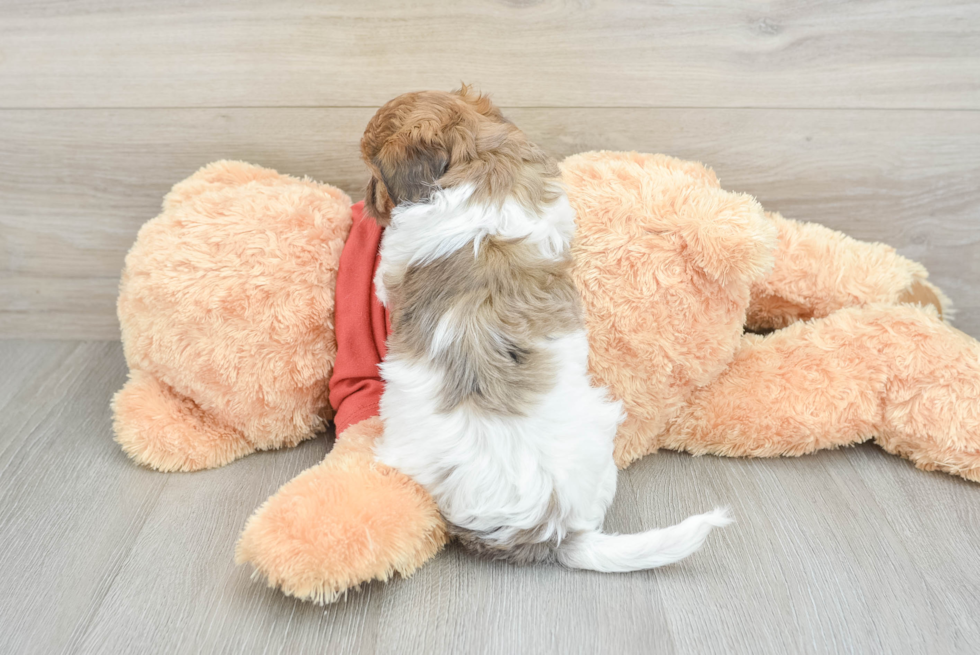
<point x="499" y="474"/>
<point x="424" y="232"/>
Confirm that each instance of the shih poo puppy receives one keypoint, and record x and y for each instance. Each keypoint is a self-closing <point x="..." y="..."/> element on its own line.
<point x="487" y="401"/>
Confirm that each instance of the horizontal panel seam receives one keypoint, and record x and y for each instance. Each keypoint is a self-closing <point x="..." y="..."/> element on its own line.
<point x="505" y="107"/>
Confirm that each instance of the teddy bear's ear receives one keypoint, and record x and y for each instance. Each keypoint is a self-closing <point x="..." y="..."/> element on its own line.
<point x="410" y="167"/>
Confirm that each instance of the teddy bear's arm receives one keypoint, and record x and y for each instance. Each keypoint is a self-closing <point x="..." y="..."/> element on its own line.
<point x="892" y="373"/>
<point x="819" y="270"/>
<point x="343" y="522"/>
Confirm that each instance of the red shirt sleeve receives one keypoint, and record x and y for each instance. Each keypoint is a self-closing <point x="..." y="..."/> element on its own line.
<point x="361" y="325"/>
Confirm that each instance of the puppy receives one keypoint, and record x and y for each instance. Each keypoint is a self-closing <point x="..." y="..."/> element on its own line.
<point x="487" y="401"/>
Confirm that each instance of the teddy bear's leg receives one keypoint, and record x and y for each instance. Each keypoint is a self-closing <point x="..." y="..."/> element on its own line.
<point x="819" y="271"/>
<point x="163" y="430"/>
<point x="893" y="373"/>
<point x="346" y="521"/>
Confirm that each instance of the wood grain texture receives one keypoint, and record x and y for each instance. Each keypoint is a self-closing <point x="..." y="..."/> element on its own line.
<point x="845" y="551"/>
<point x="33" y="307"/>
<point x="585" y="53"/>
<point x="77" y="184"/>
<point x="68" y="509"/>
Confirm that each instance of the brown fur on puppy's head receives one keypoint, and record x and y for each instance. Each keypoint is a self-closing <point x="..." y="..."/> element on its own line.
<point x="432" y="139"/>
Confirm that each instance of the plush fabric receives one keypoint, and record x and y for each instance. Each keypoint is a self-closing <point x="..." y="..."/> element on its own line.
<point x="226" y="308"/>
<point x="836" y="381"/>
<point x="227" y="303"/>
<point x="342" y="522"/>
<point x="664" y="261"/>
<point x="851" y="273"/>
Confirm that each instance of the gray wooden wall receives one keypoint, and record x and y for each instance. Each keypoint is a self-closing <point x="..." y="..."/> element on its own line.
<point x="864" y="116"/>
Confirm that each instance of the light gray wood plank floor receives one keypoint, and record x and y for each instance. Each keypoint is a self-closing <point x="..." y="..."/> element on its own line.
<point x="845" y="551"/>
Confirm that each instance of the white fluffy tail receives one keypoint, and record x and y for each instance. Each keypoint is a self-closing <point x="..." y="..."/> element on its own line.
<point x="618" y="553"/>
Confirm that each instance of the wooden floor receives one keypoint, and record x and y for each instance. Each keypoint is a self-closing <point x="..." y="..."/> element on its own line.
<point x="846" y="551"/>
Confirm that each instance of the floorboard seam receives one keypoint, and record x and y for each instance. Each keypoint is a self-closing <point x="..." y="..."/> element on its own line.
<point x="83" y="634"/>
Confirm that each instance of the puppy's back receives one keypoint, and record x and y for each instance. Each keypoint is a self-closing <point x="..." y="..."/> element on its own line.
<point x="482" y="319"/>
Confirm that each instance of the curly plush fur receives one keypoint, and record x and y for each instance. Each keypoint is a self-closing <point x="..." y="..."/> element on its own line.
<point x="664" y="262"/>
<point x="670" y="268"/>
<point x="342" y="522"/>
<point x="226" y="308"/>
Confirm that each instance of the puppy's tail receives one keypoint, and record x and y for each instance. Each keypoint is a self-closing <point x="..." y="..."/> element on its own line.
<point x="618" y="553"/>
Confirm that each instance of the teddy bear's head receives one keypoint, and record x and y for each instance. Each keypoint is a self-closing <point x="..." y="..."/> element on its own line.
<point x="664" y="260"/>
<point x="226" y="308"/>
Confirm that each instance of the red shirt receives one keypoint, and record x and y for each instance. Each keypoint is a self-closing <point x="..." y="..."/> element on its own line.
<point x="361" y="324"/>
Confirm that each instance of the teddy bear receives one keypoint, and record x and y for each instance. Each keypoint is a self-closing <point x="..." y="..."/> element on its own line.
<point x="724" y="329"/>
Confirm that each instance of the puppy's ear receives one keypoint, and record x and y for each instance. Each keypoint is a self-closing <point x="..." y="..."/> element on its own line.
<point x="410" y="169"/>
<point x="377" y="205"/>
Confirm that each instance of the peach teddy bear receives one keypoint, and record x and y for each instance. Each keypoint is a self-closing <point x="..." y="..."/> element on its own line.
<point x="226" y="310"/>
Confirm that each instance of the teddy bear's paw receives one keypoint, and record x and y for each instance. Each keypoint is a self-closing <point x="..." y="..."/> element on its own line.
<point x="931" y="404"/>
<point x="159" y="428"/>
<point x="341" y="523"/>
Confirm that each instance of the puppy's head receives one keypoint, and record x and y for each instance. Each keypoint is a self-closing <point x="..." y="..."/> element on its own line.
<point x="428" y="140"/>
